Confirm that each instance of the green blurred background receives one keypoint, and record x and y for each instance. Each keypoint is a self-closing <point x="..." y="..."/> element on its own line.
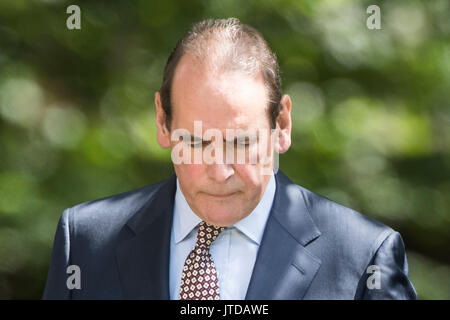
<point x="371" y="114"/>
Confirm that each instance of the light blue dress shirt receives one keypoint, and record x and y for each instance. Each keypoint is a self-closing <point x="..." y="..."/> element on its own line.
<point x="233" y="252"/>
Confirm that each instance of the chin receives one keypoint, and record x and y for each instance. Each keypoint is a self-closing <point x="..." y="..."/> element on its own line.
<point x="222" y="216"/>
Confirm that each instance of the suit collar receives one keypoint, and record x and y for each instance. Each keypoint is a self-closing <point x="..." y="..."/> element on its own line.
<point x="287" y="273"/>
<point x="143" y="249"/>
<point x="159" y="201"/>
<point x="291" y="211"/>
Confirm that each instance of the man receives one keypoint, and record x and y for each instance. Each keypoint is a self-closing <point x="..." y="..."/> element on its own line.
<point x="224" y="229"/>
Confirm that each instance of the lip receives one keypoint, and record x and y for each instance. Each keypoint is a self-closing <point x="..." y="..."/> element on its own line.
<point x="221" y="196"/>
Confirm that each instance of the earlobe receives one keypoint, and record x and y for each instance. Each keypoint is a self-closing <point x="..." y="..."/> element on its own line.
<point x="163" y="139"/>
<point x="284" y="142"/>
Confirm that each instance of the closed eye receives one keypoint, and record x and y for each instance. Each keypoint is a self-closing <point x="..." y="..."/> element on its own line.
<point x="199" y="144"/>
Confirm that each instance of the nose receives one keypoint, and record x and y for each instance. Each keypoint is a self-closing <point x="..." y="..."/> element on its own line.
<point x="220" y="172"/>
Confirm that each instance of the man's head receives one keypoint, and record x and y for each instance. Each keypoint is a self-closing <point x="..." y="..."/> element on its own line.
<point x="223" y="74"/>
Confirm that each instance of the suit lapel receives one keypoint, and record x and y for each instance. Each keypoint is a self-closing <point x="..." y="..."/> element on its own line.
<point x="284" y="268"/>
<point x="143" y="249"/>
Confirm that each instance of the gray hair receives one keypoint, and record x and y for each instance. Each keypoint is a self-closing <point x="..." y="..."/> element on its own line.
<point x="226" y="45"/>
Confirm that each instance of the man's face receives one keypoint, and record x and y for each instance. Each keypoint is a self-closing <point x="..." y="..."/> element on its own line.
<point x="220" y="194"/>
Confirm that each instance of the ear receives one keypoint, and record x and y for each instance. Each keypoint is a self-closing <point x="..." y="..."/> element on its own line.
<point x="284" y="125"/>
<point x="163" y="134"/>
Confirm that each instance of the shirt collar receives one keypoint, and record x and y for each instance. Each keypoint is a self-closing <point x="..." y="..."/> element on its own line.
<point x="185" y="220"/>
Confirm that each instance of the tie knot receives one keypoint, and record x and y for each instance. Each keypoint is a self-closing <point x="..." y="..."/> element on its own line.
<point x="207" y="233"/>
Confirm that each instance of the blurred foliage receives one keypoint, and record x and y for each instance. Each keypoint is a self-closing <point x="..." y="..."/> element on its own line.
<point x="371" y="114"/>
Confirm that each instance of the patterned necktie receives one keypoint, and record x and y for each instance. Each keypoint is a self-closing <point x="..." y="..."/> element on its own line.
<point x="199" y="277"/>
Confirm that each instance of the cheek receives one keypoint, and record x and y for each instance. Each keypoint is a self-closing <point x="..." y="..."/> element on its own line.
<point x="250" y="177"/>
<point x="189" y="174"/>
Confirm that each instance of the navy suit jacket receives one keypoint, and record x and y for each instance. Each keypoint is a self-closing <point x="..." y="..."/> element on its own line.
<point x="312" y="248"/>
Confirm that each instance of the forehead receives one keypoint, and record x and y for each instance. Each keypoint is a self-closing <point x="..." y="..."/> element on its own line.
<point x="219" y="99"/>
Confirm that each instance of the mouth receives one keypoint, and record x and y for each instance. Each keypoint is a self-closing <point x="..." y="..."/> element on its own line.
<point x="221" y="196"/>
